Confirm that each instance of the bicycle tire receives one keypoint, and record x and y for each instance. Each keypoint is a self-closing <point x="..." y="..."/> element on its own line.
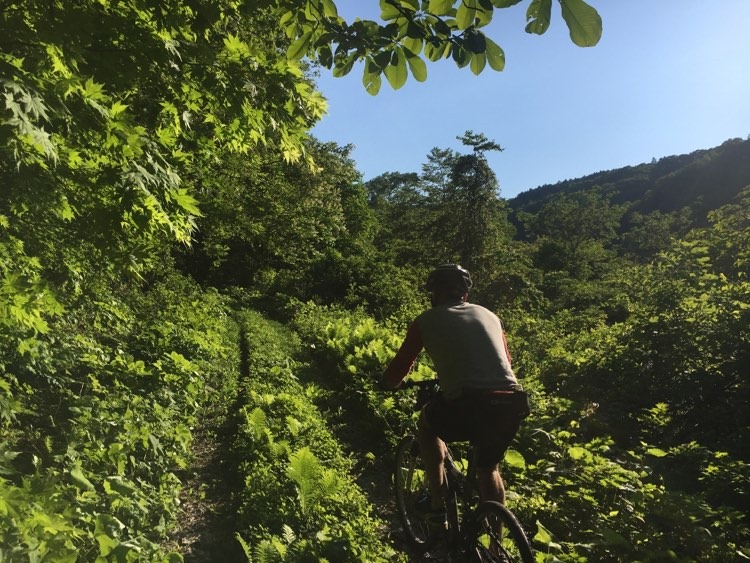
<point x="410" y="484"/>
<point x="487" y="545"/>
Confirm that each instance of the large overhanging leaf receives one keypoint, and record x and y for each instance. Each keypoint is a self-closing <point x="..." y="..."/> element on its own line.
<point x="397" y="72"/>
<point x="583" y="21"/>
<point x="539" y="15"/>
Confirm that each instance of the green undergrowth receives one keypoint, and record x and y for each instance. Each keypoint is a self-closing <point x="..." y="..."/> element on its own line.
<point x="353" y="350"/>
<point x="581" y="496"/>
<point x="300" y="501"/>
<point x="96" y="419"/>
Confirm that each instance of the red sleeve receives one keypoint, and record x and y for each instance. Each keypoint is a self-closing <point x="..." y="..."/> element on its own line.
<point x="507" y="351"/>
<point x="404" y="359"/>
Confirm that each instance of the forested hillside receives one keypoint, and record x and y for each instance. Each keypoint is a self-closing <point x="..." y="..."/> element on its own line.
<point x="699" y="181"/>
<point x="197" y="299"/>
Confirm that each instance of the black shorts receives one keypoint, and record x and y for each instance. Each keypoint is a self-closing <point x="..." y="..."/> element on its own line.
<point x="487" y="419"/>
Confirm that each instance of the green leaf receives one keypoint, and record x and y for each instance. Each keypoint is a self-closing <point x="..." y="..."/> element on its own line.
<point x="435" y="53"/>
<point x="186" y="201"/>
<point x="106" y="544"/>
<point x="543" y="535"/>
<point x="372" y="82"/>
<point x="388" y="11"/>
<point x="656" y="452"/>
<point x="413" y="44"/>
<point x="495" y="55"/>
<point x="80" y="480"/>
<point x="329" y="9"/>
<point x="478" y="62"/>
<point x="106" y="531"/>
<point x="514" y="459"/>
<point x="584" y="22"/>
<point x="615" y="538"/>
<point x="122" y="486"/>
<point x="235" y="47"/>
<point x="577" y="452"/>
<point x="440" y="7"/>
<point x="244" y="545"/>
<point x="65" y="211"/>
<point x="382" y="59"/>
<point x="93" y="90"/>
<point x="325" y="56"/>
<point x="6" y="460"/>
<point x="343" y="66"/>
<point x="418" y="68"/>
<point x="286" y="18"/>
<point x="460" y="56"/>
<point x="298" y="48"/>
<point x="466" y="14"/>
<point x="117" y="108"/>
<point x="504" y="3"/>
<point x="396" y="72"/>
<point x="539" y="16"/>
<point x="305" y="470"/>
<point x="484" y="13"/>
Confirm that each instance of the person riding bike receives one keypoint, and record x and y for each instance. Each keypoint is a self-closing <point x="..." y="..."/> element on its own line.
<point x="480" y="400"/>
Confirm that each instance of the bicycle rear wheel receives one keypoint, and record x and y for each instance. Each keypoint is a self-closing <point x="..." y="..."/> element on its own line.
<point x="496" y="536"/>
<point x="411" y="484"/>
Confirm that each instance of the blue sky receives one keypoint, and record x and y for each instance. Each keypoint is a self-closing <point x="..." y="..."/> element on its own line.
<point x="668" y="77"/>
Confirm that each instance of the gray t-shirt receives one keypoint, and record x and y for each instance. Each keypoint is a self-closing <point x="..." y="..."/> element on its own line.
<point x="467" y="346"/>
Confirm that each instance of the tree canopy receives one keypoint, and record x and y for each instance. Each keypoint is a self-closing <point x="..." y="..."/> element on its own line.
<point x="413" y="31"/>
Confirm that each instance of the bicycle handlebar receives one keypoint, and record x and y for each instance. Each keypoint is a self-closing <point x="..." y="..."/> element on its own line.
<point x="426" y="390"/>
<point x="422" y="384"/>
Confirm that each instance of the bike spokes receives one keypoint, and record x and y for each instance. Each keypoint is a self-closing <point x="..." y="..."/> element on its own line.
<point x="498" y="536"/>
<point x="411" y="485"/>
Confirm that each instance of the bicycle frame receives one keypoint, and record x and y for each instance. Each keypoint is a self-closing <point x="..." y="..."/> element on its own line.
<point x="463" y="495"/>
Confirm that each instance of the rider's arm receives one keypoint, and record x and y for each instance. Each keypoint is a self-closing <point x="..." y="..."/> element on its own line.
<point x="404" y="359"/>
<point x="507" y="350"/>
<point x="505" y="344"/>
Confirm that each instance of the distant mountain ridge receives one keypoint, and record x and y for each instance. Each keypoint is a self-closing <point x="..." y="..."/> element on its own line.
<point x="702" y="180"/>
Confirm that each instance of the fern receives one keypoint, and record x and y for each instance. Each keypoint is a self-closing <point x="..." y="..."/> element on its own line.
<point x="257" y="424"/>
<point x="270" y="551"/>
<point x="288" y="534"/>
<point x="305" y="470"/>
<point x="245" y="547"/>
<point x="329" y="484"/>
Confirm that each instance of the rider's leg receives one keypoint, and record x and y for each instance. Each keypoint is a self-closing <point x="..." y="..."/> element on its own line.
<point x="433" y="453"/>
<point x="491" y="485"/>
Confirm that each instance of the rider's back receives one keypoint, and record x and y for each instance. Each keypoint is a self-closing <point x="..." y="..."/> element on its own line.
<point x="467" y="347"/>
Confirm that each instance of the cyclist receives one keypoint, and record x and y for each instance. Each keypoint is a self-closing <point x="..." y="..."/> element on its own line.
<point x="480" y="399"/>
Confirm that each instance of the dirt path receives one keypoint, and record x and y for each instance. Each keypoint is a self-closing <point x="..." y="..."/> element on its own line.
<point x="205" y="531"/>
<point x="205" y="526"/>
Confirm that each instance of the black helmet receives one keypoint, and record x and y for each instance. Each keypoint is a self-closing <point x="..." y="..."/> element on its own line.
<point x="449" y="277"/>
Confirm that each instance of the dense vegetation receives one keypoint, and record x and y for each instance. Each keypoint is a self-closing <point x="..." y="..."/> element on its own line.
<point x="177" y="255"/>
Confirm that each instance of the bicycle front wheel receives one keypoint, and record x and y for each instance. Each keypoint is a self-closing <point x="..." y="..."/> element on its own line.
<point x="411" y="484"/>
<point x="497" y="536"/>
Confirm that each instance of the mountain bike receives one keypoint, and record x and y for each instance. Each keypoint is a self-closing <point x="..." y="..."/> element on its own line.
<point x="477" y="531"/>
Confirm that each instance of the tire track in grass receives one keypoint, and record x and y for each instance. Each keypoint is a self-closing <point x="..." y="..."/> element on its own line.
<point x="206" y="532"/>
